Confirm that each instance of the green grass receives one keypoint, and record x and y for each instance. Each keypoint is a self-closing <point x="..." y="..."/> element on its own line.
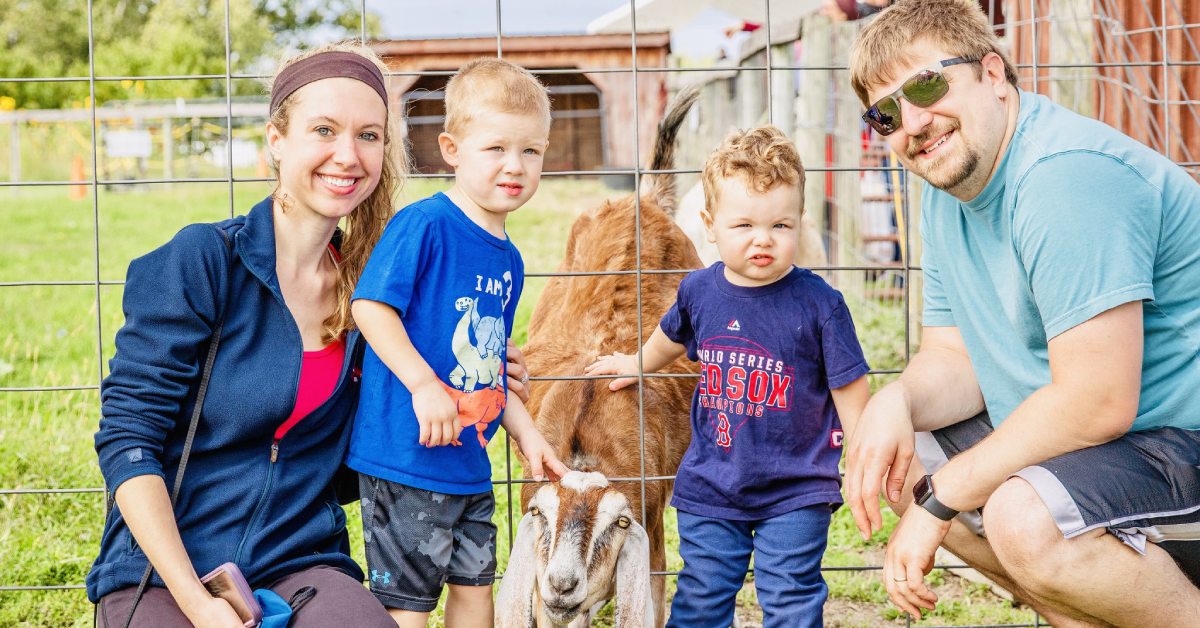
<point x="62" y="336"/>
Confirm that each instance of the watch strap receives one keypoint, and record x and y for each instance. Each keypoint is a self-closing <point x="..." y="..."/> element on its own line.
<point x="924" y="495"/>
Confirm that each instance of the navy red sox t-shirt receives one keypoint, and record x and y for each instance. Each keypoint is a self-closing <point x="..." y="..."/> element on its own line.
<point x="766" y="438"/>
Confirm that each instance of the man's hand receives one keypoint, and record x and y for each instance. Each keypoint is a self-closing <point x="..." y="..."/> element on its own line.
<point x="882" y="444"/>
<point x="436" y="414"/>
<point x="518" y="373"/>
<point x="909" y="558"/>
<point x="616" y="364"/>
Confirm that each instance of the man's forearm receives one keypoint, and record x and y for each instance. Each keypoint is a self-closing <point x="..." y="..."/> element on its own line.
<point x="1049" y="423"/>
<point x="940" y="389"/>
<point x="1095" y="375"/>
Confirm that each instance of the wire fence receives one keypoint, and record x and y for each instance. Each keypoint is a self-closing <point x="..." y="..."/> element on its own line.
<point x="1135" y="65"/>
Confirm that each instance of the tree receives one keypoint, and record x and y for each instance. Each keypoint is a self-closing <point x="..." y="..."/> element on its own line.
<point x="132" y="38"/>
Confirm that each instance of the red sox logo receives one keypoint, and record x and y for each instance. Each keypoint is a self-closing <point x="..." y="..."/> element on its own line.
<point x="723" y="431"/>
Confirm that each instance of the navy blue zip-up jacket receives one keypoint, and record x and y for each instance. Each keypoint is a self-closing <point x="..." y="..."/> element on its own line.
<point x="271" y="514"/>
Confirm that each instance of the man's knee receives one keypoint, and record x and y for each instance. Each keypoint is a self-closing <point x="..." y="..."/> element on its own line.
<point x="1024" y="536"/>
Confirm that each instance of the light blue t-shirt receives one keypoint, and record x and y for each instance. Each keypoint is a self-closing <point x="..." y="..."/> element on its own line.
<point x="1078" y="219"/>
<point x="456" y="288"/>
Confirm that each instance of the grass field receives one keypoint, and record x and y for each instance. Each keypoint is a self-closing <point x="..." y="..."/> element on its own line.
<point x="61" y="336"/>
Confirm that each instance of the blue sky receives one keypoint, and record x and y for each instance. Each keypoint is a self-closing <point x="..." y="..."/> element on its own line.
<point x="418" y="19"/>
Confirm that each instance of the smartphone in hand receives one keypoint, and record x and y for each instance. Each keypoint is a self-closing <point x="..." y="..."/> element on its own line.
<point x="227" y="583"/>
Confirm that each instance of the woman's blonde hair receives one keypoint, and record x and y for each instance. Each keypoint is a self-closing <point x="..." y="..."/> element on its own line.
<point x="762" y="158"/>
<point x="364" y="226"/>
<point x="958" y="27"/>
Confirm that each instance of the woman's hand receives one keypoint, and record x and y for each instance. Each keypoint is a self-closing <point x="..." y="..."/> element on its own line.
<point x="211" y="611"/>
<point x="518" y="374"/>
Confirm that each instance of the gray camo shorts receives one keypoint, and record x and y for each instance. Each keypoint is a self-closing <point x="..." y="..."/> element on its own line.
<point x="419" y="540"/>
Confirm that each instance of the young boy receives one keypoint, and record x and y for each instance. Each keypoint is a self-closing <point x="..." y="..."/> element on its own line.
<point x="435" y="302"/>
<point x="780" y="364"/>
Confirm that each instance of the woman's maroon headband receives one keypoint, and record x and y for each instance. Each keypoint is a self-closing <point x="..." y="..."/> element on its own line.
<point x="323" y="65"/>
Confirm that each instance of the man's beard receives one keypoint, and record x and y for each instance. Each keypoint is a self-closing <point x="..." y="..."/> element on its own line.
<point x="943" y="177"/>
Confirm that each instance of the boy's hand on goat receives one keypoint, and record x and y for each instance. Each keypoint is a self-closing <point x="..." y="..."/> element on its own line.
<point x="541" y="457"/>
<point x="437" y="415"/>
<point x="518" y="375"/>
<point x="616" y="364"/>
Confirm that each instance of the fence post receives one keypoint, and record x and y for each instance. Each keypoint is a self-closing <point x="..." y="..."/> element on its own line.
<point x="783" y="90"/>
<point x="813" y="105"/>
<point x="168" y="149"/>
<point x="847" y="152"/>
<point x="14" y="164"/>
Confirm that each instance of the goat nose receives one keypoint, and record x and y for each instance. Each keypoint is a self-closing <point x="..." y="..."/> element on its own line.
<point x="564" y="584"/>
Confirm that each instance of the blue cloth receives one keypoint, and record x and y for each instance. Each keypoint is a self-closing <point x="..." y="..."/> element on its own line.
<point x="455" y="287"/>
<point x="275" y="610"/>
<point x="787" y="568"/>
<point x="765" y="434"/>
<point x="271" y="519"/>
<point x="1078" y="219"/>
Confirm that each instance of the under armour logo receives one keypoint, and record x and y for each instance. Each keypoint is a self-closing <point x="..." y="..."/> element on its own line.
<point x="383" y="578"/>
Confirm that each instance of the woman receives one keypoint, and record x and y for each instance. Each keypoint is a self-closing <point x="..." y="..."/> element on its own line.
<point x="284" y="385"/>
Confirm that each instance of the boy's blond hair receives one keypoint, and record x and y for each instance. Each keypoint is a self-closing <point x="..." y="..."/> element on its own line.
<point x="495" y="85"/>
<point x="762" y="157"/>
<point x="957" y="26"/>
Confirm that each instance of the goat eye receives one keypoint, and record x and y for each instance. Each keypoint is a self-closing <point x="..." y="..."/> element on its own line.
<point x="623" y="522"/>
<point x="535" y="511"/>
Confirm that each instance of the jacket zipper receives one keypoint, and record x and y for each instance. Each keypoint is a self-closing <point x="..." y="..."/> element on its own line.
<point x="262" y="499"/>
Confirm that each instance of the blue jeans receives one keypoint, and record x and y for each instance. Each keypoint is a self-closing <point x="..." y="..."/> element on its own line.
<point x="787" y="568"/>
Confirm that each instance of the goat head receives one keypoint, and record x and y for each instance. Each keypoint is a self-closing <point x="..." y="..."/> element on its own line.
<point x="577" y="546"/>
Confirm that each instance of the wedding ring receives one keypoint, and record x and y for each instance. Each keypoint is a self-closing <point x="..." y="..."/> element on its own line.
<point x="899" y="579"/>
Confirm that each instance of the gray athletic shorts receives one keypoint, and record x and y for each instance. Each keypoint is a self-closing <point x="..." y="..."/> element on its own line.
<point x="419" y="540"/>
<point x="1144" y="486"/>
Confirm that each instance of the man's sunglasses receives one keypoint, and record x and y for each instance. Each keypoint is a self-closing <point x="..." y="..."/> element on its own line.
<point x="923" y="89"/>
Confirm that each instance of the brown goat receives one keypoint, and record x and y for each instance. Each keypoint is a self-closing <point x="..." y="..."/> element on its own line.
<point x="581" y="317"/>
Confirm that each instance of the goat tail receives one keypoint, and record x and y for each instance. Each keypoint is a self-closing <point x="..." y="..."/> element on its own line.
<point x="662" y="186"/>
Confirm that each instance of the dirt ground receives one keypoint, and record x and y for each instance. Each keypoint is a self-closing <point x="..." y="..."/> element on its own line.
<point x="847" y="613"/>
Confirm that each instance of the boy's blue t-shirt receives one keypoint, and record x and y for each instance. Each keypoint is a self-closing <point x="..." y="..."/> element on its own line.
<point x="766" y="438"/>
<point x="455" y="287"/>
<point x="1077" y="219"/>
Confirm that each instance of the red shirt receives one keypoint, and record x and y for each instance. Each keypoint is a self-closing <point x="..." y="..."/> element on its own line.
<point x="319" y="372"/>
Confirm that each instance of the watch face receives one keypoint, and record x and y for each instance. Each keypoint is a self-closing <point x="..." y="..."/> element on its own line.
<point x="922" y="490"/>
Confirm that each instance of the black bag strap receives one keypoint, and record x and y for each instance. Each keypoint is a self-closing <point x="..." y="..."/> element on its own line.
<point x="191" y="434"/>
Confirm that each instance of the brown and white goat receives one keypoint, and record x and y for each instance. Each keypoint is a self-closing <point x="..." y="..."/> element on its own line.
<point x="580" y="521"/>
<point x="563" y="563"/>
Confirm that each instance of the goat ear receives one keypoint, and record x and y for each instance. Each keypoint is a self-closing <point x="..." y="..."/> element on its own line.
<point x="635" y="603"/>
<point x="514" y="602"/>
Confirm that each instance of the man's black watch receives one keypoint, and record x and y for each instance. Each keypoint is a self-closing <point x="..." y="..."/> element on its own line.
<point x="924" y="497"/>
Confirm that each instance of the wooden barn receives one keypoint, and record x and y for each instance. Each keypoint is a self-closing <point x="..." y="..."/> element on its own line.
<point x="594" y="113"/>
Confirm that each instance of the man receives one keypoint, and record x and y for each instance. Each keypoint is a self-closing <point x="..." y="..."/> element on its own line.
<point x="1057" y="380"/>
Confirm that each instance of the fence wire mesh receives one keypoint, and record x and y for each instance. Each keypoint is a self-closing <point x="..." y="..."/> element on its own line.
<point x="109" y="156"/>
